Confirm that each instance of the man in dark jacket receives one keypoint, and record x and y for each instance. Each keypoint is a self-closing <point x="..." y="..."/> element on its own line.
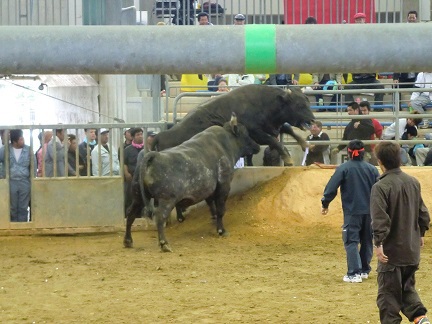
<point x="399" y="222"/>
<point x="361" y="129"/>
<point x="355" y="179"/>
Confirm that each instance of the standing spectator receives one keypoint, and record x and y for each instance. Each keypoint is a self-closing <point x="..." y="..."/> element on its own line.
<point x="86" y="146"/>
<point x="271" y="157"/>
<point x="317" y="153"/>
<point x="20" y="164"/>
<point x="127" y="142"/>
<point x="360" y="18"/>
<point x="41" y="152"/>
<point x="399" y="221"/>
<point x="130" y="162"/>
<point x="311" y="21"/>
<point x="73" y="145"/>
<point x="239" y="19"/>
<point x="420" y="99"/>
<point x="204" y="19"/>
<point x="366" y="81"/>
<point x="355" y="179"/>
<point x="283" y="79"/>
<point x="55" y="152"/>
<point x="106" y="156"/>
<point x="361" y="129"/>
<point x="135" y="207"/>
<point x="127" y="137"/>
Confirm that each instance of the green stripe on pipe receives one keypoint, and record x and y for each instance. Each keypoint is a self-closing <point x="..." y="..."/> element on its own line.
<point x="260" y="49"/>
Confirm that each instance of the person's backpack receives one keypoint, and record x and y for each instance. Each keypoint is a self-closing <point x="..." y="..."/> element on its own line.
<point x="212" y="8"/>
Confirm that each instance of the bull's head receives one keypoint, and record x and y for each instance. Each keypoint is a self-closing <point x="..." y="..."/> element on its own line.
<point x="297" y="110"/>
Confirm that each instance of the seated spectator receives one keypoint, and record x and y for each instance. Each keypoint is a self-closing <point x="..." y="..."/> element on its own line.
<point x="423" y="156"/>
<point x="20" y="156"/>
<point x="283" y="79"/>
<point x="361" y="129"/>
<point x="222" y="86"/>
<point x="390" y="132"/>
<point x="213" y="80"/>
<point x="420" y="99"/>
<point x="366" y="81"/>
<point x="407" y="151"/>
<point x="326" y="82"/>
<point x="73" y="145"/>
<point x="235" y="80"/>
<point x="365" y="109"/>
<point x="317" y="153"/>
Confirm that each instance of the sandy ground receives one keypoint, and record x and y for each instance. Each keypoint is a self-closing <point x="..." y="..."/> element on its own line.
<point x="281" y="263"/>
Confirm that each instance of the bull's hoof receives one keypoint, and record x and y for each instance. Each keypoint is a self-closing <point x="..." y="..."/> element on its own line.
<point x="127" y="243"/>
<point x="222" y="233"/>
<point x="288" y="161"/>
<point x="180" y="219"/>
<point x="165" y="246"/>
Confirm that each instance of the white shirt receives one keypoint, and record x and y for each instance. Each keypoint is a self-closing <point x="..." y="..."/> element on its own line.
<point x="239" y="79"/>
<point x="105" y="161"/>
<point x="390" y="132"/>
<point x="424" y="80"/>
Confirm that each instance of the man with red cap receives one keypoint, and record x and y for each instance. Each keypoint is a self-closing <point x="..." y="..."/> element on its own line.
<point x="360" y="18"/>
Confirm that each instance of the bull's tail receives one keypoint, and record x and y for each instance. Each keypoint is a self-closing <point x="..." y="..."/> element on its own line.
<point x="147" y="163"/>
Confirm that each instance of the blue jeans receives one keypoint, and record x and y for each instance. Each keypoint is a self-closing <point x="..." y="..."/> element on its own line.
<point x="357" y="230"/>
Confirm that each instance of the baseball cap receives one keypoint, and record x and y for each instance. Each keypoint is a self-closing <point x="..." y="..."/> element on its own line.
<point x="104" y="130"/>
<point x="151" y="133"/>
<point x="239" y="17"/>
<point x="359" y="15"/>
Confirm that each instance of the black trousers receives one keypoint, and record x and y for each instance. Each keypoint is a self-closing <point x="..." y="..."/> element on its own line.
<point x="396" y="293"/>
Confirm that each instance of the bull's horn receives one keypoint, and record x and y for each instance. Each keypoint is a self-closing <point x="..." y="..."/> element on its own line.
<point x="233" y="124"/>
<point x="233" y="119"/>
<point x="288" y="91"/>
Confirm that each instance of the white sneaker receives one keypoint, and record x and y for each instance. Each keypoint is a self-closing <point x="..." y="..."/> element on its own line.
<point x="364" y="275"/>
<point x="356" y="278"/>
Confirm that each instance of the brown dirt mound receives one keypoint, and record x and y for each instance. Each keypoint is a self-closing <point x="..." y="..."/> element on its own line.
<point x="288" y="202"/>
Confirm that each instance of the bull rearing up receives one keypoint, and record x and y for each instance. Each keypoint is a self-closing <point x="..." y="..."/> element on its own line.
<point x="263" y="110"/>
<point x="199" y="169"/>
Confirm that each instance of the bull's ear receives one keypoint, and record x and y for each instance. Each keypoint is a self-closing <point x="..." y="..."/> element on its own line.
<point x="233" y="123"/>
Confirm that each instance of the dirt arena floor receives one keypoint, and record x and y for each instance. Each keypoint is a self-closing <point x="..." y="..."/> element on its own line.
<point x="283" y="262"/>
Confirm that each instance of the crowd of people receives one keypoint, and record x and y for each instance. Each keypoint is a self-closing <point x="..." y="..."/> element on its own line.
<point x="94" y="156"/>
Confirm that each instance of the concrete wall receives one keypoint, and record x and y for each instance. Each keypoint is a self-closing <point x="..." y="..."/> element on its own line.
<point x="73" y="205"/>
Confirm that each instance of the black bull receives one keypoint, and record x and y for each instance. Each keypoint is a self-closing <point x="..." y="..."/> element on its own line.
<point x="199" y="169"/>
<point x="261" y="109"/>
<point x="265" y="112"/>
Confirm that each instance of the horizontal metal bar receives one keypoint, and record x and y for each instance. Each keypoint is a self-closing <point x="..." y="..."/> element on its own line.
<point x="188" y="49"/>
